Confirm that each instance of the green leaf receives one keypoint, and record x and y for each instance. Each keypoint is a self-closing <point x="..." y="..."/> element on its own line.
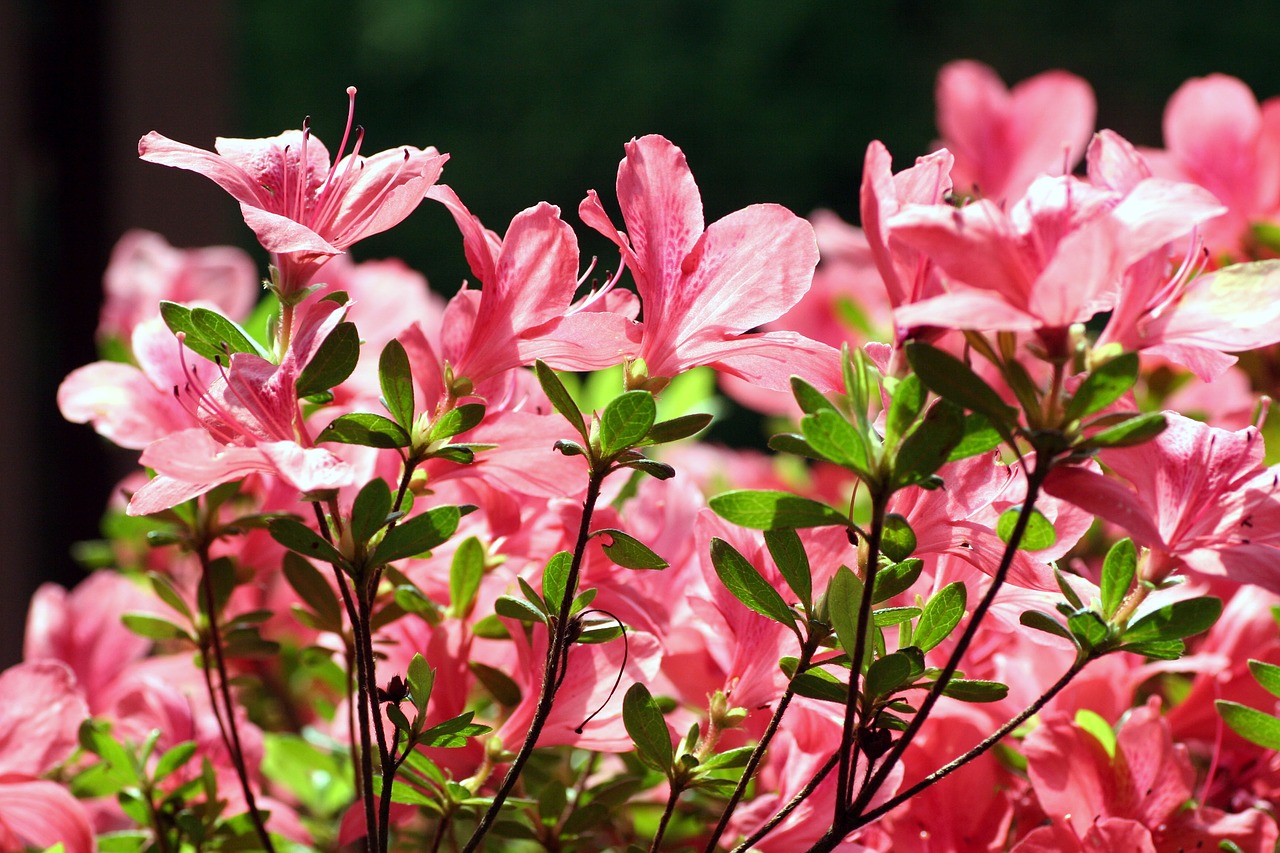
<point x="975" y="690"/>
<point x="770" y="510"/>
<point x="1158" y="649"/>
<point x="942" y="613"/>
<point x="897" y="539"/>
<point x="465" y="574"/>
<point x="560" y="398"/>
<point x="1038" y="535"/>
<point x="333" y="362"/>
<point x="452" y="733"/>
<point x="1250" y="723"/>
<point x="422" y="679"/>
<point x="365" y="429"/>
<point x="821" y="685"/>
<point x="1044" y="622"/>
<point x="1103" y="386"/>
<point x="554" y="577"/>
<point x="173" y="759"/>
<point x="1118" y="570"/>
<point x="518" y="608"/>
<point x="625" y="421"/>
<point x="978" y="436"/>
<point x="396" y="380"/>
<point x="457" y="421"/>
<point x="895" y="579"/>
<point x="410" y="599"/>
<point x="629" y="552"/>
<point x="887" y="674"/>
<point x="810" y="399"/>
<point x="223" y="335"/>
<point x="748" y="585"/>
<point x="1128" y="433"/>
<point x="168" y="593"/>
<point x="676" y="429"/>
<point x="837" y="440"/>
<point x="1096" y="725"/>
<point x="844" y="598"/>
<point x="793" y="563"/>
<point x="500" y="685"/>
<point x="1088" y="628"/>
<point x="789" y="442"/>
<point x="370" y="510"/>
<point x="647" y="728"/>
<point x="417" y="535"/>
<point x="928" y="447"/>
<point x="1175" y="621"/>
<point x="952" y="379"/>
<point x="652" y="467"/>
<point x="908" y="401"/>
<point x="155" y="627"/>
<point x="296" y="536"/>
<point x="1267" y="675"/>
<point x="312" y="588"/>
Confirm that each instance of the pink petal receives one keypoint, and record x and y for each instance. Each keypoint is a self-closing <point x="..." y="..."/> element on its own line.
<point x="41" y="709"/>
<point x="155" y="148"/>
<point x="41" y="814"/>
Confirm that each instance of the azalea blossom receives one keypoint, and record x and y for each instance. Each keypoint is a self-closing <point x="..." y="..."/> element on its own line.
<point x="302" y="209"/>
<point x="1002" y="139"/>
<point x="703" y="288"/>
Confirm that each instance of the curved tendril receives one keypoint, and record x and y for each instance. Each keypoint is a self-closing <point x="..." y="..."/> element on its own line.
<point x="626" y="651"/>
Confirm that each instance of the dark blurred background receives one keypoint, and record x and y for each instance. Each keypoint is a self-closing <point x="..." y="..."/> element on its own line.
<point x="771" y="101"/>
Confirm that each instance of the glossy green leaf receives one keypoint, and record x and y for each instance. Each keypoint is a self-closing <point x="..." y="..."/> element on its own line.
<point x="224" y="335"/>
<point x="1251" y="724"/>
<point x="1044" y="622"/>
<point x="793" y="563"/>
<point x="554" y="577"/>
<point x="941" y="614"/>
<point x="676" y="429"/>
<point x="1088" y="628"/>
<point x="312" y="588"/>
<point x="1138" y="430"/>
<point x="365" y="429"/>
<point x="1038" y="535"/>
<point x="1103" y="386"/>
<point x="452" y="733"/>
<point x="500" y="685"/>
<point x="625" y="421"/>
<point x="975" y="690"/>
<point x="896" y="579"/>
<point x="647" y="728"/>
<point x="296" y="536"/>
<point x="770" y="510"/>
<point x="821" y="685"/>
<point x="1118" y="570"/>
<point x="836" y="440"/>
<point x="155" y="627"/>
<point x="333" y="362"/>
<point x="465" y="574"/>
<point x="788" y="442"/>
<point x="457" y="421"/>
<point x="417" y="535"/>
<point x="627" y="551"/>
<point x="897" y="539"/>
<point x="560" y="398"/>
<point x="977" y="436"/>
<point x="370" y="509"/>
<point x="421" y="679"/>
<point x="1267" y="675"/>
<point x="1175" y="621"/>
<point x="395" y="378"/>
<point x="952" y="379"/>
<point x="168" y="593"/>
<point x="844" y="598"/>
<point x="517" y="608"/>
<point x="809" y="399"/>
<point x="928" y="447"/>
<point x="908" y="401"/>
<point x="887" y="674"/>
<point x="652" y="467"/>
<point x="747" y="585"/>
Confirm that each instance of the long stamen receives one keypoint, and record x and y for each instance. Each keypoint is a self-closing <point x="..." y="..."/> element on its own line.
<point x="218" y="421"/>
<point x="596" y="295"/>
<point x="300" y="197"/>
<point x="1193" y="262"/>
<point x="338" y="184"/>
<point x="360" y="218"/>
<point x="280" y="430"/>
<point x="337" y="156"/>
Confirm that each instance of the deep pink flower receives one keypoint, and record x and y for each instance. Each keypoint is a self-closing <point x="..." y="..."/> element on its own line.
<point x="702" y="289"/>
<point x="304" y="210"/>
<point x="1197" y="496"/>
<point x="1001" y="138"/>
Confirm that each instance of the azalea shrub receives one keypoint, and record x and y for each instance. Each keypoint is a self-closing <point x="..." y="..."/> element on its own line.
<point x="401" y="572"/>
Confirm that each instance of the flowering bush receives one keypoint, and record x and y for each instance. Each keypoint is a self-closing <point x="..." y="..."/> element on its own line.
<point x="408" y="573"/>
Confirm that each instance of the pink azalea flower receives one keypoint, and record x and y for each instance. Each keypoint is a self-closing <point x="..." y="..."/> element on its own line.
<point x="1218" y="136"/>
<point x="1003" y="139"/>
<point x="525" y="310"/>
<point x="41" y="709"/>
<point x="250" y="423"/>
<point x="1197" y="497"/>
<point x="145" y="269"/>
<point x="704" y="288"/>
<point x="302" y="209"/>
<point x="1137" y="794"/>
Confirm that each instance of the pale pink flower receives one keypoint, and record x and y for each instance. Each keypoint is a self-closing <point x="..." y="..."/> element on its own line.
<point x="144" y="269"/>
<point x="704" y="288"/>
<point x="41" y="709"/>
<point x="1217" y="135"/>
<point x="1003" y="139"/>
<point x="302" y="209"/>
